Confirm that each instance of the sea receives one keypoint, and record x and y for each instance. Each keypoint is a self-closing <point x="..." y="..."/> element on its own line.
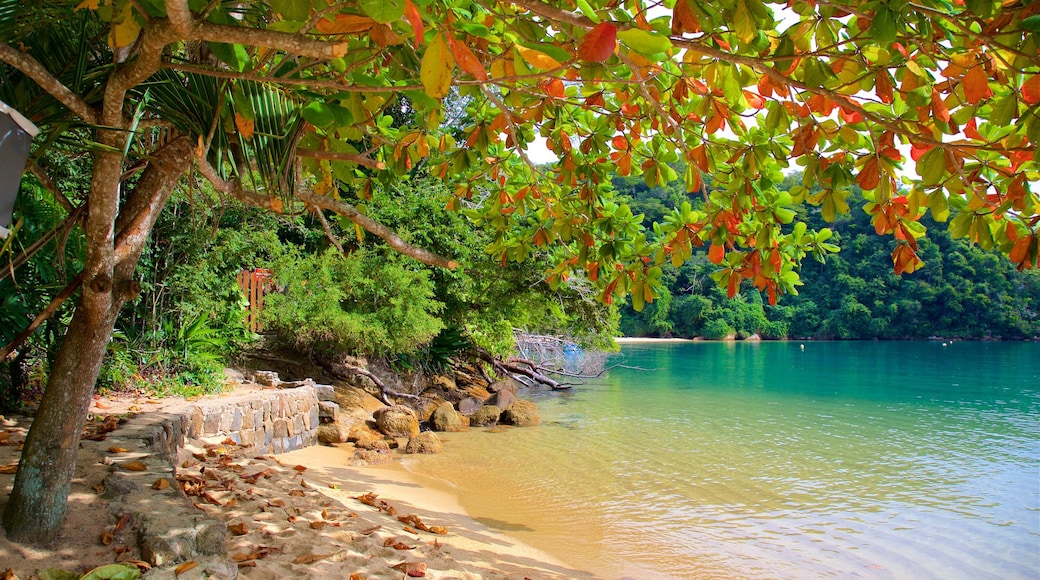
<point x="772" y="460"/>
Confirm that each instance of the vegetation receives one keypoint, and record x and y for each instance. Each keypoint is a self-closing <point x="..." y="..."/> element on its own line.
<point x="961" y="291"/>
<point x="290" y="106"/>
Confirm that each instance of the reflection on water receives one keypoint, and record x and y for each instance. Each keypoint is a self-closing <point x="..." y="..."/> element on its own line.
<point x="877" y="460"/>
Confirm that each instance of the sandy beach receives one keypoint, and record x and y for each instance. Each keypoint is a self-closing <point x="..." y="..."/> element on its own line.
<point x="303" y="514"/>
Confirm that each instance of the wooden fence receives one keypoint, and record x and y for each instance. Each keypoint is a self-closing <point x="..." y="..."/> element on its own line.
<point x="255" y="284"/>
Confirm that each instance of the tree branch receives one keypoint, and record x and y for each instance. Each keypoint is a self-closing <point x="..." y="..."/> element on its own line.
<point x="189" y="28"/>
<point x="359" y="159"/>
<point x="42" y="317"/>
<point x="32" y="68"/>
<point x="235" y="189"/>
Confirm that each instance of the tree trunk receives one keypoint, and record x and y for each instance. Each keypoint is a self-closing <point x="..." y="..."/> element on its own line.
<point x="36" y="509"/>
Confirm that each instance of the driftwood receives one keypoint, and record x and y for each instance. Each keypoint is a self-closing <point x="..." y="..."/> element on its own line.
<point x="385" y="391"/>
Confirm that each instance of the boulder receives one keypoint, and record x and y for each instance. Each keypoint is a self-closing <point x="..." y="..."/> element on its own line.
<point x="425" y="442"/>
<point x="445" y="382"/>
<point x="427" y="406"/>
<point x="502" y="399"/>
<point x="397" y="421"/>
<point x="470" y="405"/>
<point x="506" y="384"/>
<point x="327" y="411"/>
<point x="445" y="418"/>
<point x="371" y="457"/>
<point x="350" y="397"/>
<point x="331" y="434"/>
<point x="521" y="414"/>
<point x="267" y="378"/>
<point x="478" y="392"/>
<point x="485" y="416"/>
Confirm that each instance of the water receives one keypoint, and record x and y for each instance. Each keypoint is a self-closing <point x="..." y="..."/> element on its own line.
<point x="767" y="460"/>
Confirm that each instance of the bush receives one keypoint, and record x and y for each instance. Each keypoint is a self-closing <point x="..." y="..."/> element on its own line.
<point x="370" y="301"/>
<point x="717" y="329"/>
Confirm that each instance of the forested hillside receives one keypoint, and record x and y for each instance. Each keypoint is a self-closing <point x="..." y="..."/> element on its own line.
<point x="961" y="291"/>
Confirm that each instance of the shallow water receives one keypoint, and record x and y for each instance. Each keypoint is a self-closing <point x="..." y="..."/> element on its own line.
<point x="767" y="460"/>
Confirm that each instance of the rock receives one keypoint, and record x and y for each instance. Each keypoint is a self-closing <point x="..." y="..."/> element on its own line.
<point x="522" y="414"/>
<point x="118" y="484"/>
<point x="362" y="431"/>
<point x="427" y="406"/>
<point x="478" y="392"/>
<point x="372" y="457"/>
<point x="485" y="416"/>
<point x="331" y="434"/>
<point x="425" y="442"/>
<point x="327" y="411"/>
<point x="445" y="382"/>
<point x="502" y="399"/>
<point x="325" y="392"/>
<point x="753" y="338"/>
<point x="397" y="421"/>
<point x="470" y="405"/>
<point x="268" y="378"/>
<point x="506" y="384"/>
<point x="445" y="418"/>
<point x="350" y="397"/>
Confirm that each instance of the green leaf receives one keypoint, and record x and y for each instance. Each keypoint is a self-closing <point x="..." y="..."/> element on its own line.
<point x="984" y="8"/>
<point x="744" y="22"/>
<point x="644" y="42"/>
<point x="113" y="572"/>
<point x="932" y="166"/>
<point x="383" y="11"/>
<point x="319" y="114"/>
<point x="233" y="55"/>
<point x="292" y="9"/>
<point x="1004" y="110"/>
<point x="436" y="68"/>
<point x="883" y="27"/>
<point x="1032" y="24"/>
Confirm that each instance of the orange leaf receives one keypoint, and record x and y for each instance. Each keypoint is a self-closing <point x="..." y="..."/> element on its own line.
<point x="415" y="19"/>
<point x="238" y="529"/>
<point x="114" y="449"/>
<point x="537" y="58"/>
<point x="1031" y="90"/>
<point x="976" y="85"/>
<point x="683" y="19"/>
<point x="939" y="108"/>
<point x="189" y="565"/>
<point x="466" y="60"/>
<point x="716" y="253"/>
<point x="883" y="86"/>
<point x="133" y="466"/>
<point x="161" y="484"/>
<point x="599" y="43"/>
<point x="345" y="24"/>
<point x="870" y="176"/>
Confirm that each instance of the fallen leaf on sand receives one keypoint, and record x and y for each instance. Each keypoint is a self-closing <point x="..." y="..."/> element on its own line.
<point x="161" y="483"/>
<point x="141" y="565"/>
<point x="123" y="520"/>
<point x="296" y="493"/>
<point x="238" y="529"/>
<point x="356" y="576"/>
<point x="9" y="468"/>
<point x="114" y="449"/>
<point x="300" y="468"/>
<point x="369" y="531"/>
<point x="438" y="530"/>
<point x="107" y="538"/>
<point x="413" y="569"/>
<point x="317" y="525"/>
<point x="189" y="565"/>
<point x="8" y="575"/>
<point x="393" y="543"/>
<point x="310" y="558"/>
<point x="133" y="466"/>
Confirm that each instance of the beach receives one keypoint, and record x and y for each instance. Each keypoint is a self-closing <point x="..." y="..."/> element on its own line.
<point x="302" y="514"/>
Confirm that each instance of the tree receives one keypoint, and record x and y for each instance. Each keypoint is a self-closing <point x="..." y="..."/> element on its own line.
<point x="282" y="104"/>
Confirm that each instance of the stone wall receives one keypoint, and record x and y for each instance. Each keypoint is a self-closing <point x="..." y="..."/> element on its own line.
<point x="270" y="421"/>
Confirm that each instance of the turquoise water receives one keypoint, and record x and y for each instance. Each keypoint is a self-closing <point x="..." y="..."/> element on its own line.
<point x="770" y="460"/>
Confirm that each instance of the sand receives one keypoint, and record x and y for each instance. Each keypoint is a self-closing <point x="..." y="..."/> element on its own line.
<point x="295" y="515"/>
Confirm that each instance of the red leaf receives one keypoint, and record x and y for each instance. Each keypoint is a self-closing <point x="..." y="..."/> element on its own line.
<point x="599" y="43"/>
<point x="883" y="87"/>
<point x="870" y="176"/>
<point x="683" y="19"/>
<point x="919" y="149"/>
<point x="415" y="19"/>
<point x="1031" y="90"/>
<point x="971" y="131"/>
<point x="976" y="85"/>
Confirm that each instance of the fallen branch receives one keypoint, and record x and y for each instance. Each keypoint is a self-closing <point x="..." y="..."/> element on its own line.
<point x="386" y="391"/>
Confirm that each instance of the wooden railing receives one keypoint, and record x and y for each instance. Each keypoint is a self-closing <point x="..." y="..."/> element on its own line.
<point x="255" y="284"/>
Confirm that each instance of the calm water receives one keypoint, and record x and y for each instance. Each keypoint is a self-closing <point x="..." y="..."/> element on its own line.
<point x="872" y="460"/>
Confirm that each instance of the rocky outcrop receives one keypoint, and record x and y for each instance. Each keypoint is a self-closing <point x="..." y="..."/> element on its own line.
<point x="470" y="405"/>
<point x="504" y="385"/>
<point x="425" y="442"/>
<point x="446" y="418"/>
<point x="397" y="421"/>
<point x="522" y="414"/>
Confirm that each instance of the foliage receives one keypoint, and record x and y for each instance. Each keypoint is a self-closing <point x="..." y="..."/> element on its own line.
<point x="367" y="301"/>
<point x="961" y="291"/>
